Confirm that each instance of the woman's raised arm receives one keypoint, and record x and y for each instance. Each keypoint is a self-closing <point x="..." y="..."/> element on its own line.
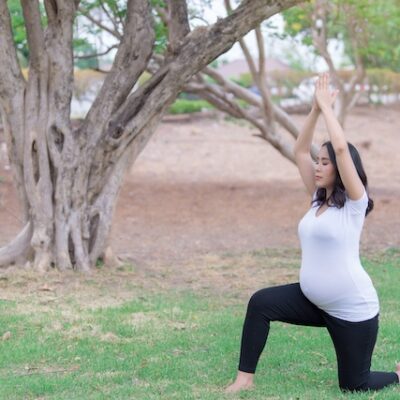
<point x="302" y="149"/>
<point x="347" y="170"/>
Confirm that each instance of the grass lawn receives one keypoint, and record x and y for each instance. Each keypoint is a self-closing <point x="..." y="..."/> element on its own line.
<point x="175" y="342"/>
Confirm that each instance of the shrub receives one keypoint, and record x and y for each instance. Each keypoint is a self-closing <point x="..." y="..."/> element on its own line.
<point x="244" y="80"/>
<point x="183" y="106"/>
<point x="384" y="79"/>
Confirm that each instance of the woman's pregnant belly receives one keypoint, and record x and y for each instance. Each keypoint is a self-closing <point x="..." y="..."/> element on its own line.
<point x="340" y="292"/>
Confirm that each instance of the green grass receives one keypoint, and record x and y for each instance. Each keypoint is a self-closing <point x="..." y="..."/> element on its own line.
<point x="178" y="345"/>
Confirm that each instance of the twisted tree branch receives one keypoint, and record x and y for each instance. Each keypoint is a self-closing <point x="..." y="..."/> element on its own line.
<point x="131" y="60"/>
<point x="178" y="23"/>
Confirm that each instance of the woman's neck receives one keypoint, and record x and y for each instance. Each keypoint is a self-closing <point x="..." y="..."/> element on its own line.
<point x="328" y="193"/>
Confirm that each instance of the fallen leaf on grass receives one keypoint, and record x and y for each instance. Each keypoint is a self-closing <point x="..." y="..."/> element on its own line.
<point x="6" y="335"/>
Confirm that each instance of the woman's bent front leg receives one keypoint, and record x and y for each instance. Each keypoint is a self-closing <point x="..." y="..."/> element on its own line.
<point x="285" y="303"/>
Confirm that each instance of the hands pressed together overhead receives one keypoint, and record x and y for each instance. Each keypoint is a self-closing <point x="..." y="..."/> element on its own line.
<point x="324" y="97"/>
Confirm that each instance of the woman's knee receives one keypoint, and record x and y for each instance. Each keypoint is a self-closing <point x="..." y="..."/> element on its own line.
<point x="260" y="300"/>
<point x="353" y="386"/>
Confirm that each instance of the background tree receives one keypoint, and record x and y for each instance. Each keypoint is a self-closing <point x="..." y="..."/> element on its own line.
<point x="381" y="49"/>
<point x="68" y="177"/>
<point x="362" y="26"/>
<point x="270" y="120"/>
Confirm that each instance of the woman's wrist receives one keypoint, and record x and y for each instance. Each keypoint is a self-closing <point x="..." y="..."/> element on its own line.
<point x="326" y="109"/>
<point x="315" y="110"/>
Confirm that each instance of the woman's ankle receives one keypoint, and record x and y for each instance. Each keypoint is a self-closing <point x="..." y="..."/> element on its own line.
<point x="245" y="376"/>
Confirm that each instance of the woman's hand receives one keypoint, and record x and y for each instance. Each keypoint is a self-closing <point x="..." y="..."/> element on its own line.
<point x="314" y="105"/>
<point x="324" y="97"/>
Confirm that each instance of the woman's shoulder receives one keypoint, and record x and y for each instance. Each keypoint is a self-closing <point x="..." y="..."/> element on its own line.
<point x="357" y="206"/>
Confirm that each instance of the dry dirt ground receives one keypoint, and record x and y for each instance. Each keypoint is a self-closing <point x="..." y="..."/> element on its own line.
<point x="211" y="186"/>
<point x="206" y="185"/>
<point x="199" y="205"/>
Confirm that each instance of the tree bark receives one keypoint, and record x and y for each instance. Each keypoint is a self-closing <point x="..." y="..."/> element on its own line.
<point x="70" y="177"/>
<point x="12" y="87"/>
<point x="178" y="23"/>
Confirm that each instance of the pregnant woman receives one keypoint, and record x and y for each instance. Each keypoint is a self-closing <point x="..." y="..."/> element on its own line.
<point x="334" y="290"/>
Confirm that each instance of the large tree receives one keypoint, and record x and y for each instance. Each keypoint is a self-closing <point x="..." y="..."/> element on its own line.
<point x="68" y="177"/>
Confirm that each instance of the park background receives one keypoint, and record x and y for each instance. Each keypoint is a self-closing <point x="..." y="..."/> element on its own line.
<point x="207" y="214"/>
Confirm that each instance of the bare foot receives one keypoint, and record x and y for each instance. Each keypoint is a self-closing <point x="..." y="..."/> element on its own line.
<point x="243" y="381"/>
<point x="398" y="371"/>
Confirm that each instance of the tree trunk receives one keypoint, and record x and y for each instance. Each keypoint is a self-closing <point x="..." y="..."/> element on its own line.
<point x="341" y="107"/>
<point x="70" y="213"/>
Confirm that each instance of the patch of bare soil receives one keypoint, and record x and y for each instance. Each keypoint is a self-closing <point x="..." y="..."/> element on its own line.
<point x="211" y="186"/>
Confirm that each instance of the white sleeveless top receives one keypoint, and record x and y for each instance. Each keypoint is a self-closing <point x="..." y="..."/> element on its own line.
<point x="331" y="274"/>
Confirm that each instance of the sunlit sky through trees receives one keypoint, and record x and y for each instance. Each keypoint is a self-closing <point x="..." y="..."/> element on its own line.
<point x="287" y="50"/>
<point x="276" y="47"/>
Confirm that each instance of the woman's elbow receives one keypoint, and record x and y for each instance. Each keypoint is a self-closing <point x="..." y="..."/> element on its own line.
<point x="339" y="150"/>
<point x="298" y="151"/>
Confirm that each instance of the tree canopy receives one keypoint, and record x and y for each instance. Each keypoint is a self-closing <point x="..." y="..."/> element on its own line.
<point x="368" y="28"/>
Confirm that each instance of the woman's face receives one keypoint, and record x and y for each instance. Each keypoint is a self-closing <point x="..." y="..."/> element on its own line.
<point x="325" y="173"/>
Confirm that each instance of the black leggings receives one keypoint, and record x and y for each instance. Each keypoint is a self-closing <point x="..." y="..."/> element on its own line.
<point x="354" y="341"/>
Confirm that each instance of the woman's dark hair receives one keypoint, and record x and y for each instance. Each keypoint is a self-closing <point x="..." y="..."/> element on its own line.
<point x="338" y="196"/>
